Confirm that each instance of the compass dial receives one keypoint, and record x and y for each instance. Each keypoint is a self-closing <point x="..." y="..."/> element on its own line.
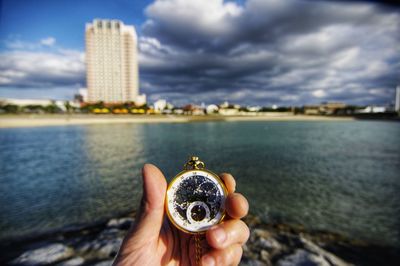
<point x="196" y="200"/>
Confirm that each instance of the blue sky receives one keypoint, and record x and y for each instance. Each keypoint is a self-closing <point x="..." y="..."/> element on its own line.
<point x="31" y="21"/>
<point x="285" y="52"/>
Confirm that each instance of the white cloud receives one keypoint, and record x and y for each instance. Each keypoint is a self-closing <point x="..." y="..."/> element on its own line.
<point x="317" y="50"/>
<point x="49" y="41"/>
<point x="262" y="52"/>
<point x="33" y="69"/>
<point x="319" y="93"/>
<point x="202" y="17"/>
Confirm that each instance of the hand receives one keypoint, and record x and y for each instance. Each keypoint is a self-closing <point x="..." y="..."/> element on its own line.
<point x="152" y="240"/>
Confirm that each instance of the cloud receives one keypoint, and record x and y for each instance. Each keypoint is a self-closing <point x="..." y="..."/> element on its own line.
<point x="318" y="93"/>
<point x="259" y="52"/>
<point x="49" y="41"/>
<point x="270" y="51"/>
<point x="40" y="70"/>
<point x="24" y="69"/>
<point x="15" y="43"/>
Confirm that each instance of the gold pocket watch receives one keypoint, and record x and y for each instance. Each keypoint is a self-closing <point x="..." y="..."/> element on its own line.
<point x="195" y="198"/>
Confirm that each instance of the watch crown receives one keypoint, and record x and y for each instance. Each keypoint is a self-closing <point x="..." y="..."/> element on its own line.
<point x="194" y="163"/>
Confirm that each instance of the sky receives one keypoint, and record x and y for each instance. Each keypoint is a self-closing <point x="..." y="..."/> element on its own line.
<point x="250" y="52"/>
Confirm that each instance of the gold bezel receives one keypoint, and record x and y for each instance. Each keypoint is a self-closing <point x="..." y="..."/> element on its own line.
<point x="219" y="180"/>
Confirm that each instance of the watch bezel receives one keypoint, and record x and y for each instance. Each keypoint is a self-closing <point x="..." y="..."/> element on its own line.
<point x="220" y="182"/>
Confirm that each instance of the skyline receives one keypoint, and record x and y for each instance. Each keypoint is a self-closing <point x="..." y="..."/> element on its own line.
<point x="247" y="52"/>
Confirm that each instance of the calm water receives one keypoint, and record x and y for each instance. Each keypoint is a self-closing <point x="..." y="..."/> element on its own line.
<point x="338" y="176"/>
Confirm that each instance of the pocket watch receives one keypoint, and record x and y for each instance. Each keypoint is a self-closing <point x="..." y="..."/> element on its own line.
<point x="195" y="198"/>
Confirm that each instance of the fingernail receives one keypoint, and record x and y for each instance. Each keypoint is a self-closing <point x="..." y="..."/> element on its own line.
<point x="219" y="235"/>
<point x="208" y="260"/>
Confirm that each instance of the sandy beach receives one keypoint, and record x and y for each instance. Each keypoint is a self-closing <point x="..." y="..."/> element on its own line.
<point x="13" y="121"/>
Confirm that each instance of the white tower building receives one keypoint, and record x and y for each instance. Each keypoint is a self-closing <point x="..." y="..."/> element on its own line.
<point x="111" y="62"/>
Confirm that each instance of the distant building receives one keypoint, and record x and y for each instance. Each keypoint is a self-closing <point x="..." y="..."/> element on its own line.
<point x="397" y="104"/>
<point x="311" y="110"/>
<point x="192" y="109"/>
<point x="254" y="108"/>
<point x="372" y="110"/>
<point x="329" y="108"/>
<point x="160" y="105"/>
<point x="212" y="109"/>
<point x="140" y="100"/>
<point x="228" y="109"/>
<point x="111" y="62"/>
<point x="224" y="104"/>
<point x="26" y="102"/>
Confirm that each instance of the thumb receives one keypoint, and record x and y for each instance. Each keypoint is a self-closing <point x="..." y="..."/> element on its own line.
<point x="151" y="213"/>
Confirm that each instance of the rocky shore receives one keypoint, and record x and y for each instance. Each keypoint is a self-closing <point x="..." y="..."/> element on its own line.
<point x="269" y="244"/>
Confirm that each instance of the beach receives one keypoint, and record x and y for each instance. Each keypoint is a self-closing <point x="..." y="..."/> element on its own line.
<point x="14" y="121"/>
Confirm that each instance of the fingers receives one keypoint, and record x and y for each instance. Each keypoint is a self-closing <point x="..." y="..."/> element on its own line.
<point x="151" y="213"/>
<point x="228" y="256"/>
<point x="228" y="233"/>
<point x="227" y="238"/>
<point x="229" y="181"/>
<point x="154" y="187"/>
<point x="236" y="205"/>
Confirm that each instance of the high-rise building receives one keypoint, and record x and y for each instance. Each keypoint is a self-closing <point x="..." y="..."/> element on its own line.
<point x="397" y="103"/>
<point x="111" y="62"/>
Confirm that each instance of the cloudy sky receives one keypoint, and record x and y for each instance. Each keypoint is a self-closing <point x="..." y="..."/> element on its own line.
<point x="265" y="52"/>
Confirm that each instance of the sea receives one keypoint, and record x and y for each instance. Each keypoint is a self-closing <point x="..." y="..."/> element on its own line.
<point x="336" y="176"/>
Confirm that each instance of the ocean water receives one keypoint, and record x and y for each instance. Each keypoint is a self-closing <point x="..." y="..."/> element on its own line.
<point x="342" y="177"/>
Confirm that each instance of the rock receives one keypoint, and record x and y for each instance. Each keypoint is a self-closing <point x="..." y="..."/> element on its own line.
<point x="334" y="260"/>
<point x="110" y="248"/>
<point x="302" y="257"/>
<point x="252" y="262"/>
<point x="252" y="220"/>
<point x="84" y="247"/>
<point x="51" y="253"/>
<point x="248" y="252"/>
<point x="111" y="233"/>
<point x="100" y="248"/>
<point x="270" y="244"/>
<point x="121" y="223"/>
<point x="261" y="233"/>
<point x="264" y="255"/>
<point x="104" y="263"/>
<point x="72" y="262"/>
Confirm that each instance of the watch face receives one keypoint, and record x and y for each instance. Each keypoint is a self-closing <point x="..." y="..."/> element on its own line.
<point x="196" y="200"/>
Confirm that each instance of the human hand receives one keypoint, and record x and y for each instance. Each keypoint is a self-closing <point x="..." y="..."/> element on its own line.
<point x="153" y="240"/>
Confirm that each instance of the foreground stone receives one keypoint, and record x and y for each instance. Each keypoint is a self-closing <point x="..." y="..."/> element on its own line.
<point x="266" y="247"/>
<point x="72" y="262"/>
<point x="45" y="255"/>
<point x="303" y="257"/>
<point x="269" y="244"/>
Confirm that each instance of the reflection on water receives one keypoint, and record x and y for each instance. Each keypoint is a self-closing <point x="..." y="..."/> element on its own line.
<point x="337" y="176"/>
<point x="113" y="155"/>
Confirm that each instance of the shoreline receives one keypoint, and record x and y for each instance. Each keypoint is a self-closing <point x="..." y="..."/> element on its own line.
<point x="269" y="244"/>
<point x="19" y="121"/>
